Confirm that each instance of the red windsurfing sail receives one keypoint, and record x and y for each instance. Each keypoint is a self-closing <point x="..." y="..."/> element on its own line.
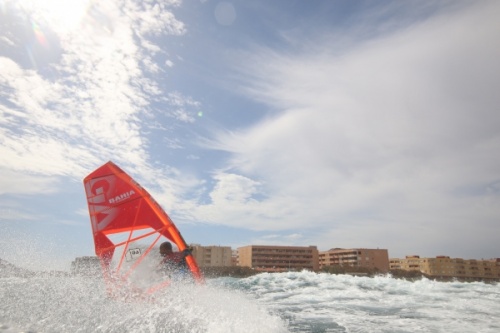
<point x="128" y="225"/>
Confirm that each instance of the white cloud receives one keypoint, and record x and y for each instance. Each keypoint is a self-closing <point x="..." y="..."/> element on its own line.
<point x="231" y="188"/>
<point x="182" y="115"/>
<point x="176" y="98"/>
<point x="384" y="134"/>
<point x="91" y="106"/>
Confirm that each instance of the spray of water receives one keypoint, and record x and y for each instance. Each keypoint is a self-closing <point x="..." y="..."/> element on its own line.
<point x="47" y="303"/>
<point x="80" y="304"/>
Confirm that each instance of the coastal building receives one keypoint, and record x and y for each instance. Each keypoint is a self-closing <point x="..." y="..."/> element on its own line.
<point x="212" y="256"/>
<point x="369" y="258"/>
<point x="86" y="266"/>
<point x="448" y="268"/>
<point x="234" y="257"/>
<point x="270" y="258"/>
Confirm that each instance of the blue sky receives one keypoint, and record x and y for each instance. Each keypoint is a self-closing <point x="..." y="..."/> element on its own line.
<point x="348" y="124"/>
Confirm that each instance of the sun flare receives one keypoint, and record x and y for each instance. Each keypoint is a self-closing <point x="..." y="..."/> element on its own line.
<point x="61" y="16"/>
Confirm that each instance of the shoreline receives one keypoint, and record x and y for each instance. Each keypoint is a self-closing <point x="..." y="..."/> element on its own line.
<point x="10" y="270"/>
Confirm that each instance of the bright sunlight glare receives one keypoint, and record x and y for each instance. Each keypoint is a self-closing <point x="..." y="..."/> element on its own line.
<point x="62" y="16"/>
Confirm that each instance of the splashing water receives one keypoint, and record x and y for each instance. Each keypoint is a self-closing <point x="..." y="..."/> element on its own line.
<point x="73" y="304"/>
<point x="340" y="303"/>
<point x="279" y="302"/>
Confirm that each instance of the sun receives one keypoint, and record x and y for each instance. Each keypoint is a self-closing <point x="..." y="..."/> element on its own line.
<point x="62" y="16"/>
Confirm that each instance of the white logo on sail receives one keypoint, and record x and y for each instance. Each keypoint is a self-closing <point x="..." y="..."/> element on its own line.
<point x="121" y="197"/>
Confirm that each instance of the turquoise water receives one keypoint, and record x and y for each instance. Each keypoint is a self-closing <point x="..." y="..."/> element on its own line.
<point x="284" y="302"/>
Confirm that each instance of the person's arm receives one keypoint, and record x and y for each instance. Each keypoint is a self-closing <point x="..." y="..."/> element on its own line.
<point x="187" y="251"/>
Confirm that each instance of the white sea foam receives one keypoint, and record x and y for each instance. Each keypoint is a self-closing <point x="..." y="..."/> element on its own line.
<point x="294" y="301"/>
<point x="342" y="303"/>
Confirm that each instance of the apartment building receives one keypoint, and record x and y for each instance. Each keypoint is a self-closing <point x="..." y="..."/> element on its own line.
<point x="446" y="267"/>
<point x="410" y="263"/>
<point x="213" y="256"/>
<point x="369" y="258"/>
<point x="234" y="257"/>
<point x="269" y="258"/>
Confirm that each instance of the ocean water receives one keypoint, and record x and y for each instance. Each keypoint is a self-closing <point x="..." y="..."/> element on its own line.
<point x="280" y="302"/>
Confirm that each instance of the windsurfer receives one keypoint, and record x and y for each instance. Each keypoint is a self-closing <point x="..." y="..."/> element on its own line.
<point x="173" y="261"/>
